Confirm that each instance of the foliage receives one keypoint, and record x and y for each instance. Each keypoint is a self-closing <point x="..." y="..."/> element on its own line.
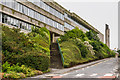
<point x="71" y="53"/>
<point x="86" y="46"/>
<point x="92" y="35"/>
<point x="73" y="34"/>
<point x="31" y="50"/>
<point x="40" y="39"/>
<point x="16" y="71"/>
<point x="34" y="60"/>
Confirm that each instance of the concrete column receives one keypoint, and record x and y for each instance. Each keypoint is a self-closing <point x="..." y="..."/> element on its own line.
<point x="107" y="35"/>
<point x="53" y="37"/>
<point x="0" y="17"/>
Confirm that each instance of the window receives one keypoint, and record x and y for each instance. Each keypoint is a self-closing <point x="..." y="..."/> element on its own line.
<point x="15" y="21"/>
<point x="29" y="27"/>
<point x="42" y="18"/>
<point x="31" y="13"/>
<point x="3" y="2"/>
<point x="23" y="9"/>
<point x="23" y="25"/>
<point x="16" y="6"/>
<point x="35" y="15"/>
<point x="20" y="24"/>
<point x="13" y="4"/>
<point x="20" y="7"/>
<point x="46" y="20"/>
<point x="26" y="10"/>
<point x="5" y="19"/>
<point x="12" y="21"/>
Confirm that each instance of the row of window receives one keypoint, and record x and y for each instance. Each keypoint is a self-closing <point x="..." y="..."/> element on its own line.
<point x="27" y="11"/>
<point x="15" y="22"/>
<point x="46" y="7"/>
<point x="66" y="16"/>
<point x="69" y="26"/>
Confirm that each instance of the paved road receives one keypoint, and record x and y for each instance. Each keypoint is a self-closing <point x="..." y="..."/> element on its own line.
<point x="103" y="69"/>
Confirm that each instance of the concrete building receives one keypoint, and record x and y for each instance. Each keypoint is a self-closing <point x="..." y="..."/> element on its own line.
<point x="107" y="35"/>
<point x="26" y="13"/>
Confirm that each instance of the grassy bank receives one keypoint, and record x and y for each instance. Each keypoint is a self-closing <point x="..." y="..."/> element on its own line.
<point x="79" y="47"/>
<point x="25" y="55"/>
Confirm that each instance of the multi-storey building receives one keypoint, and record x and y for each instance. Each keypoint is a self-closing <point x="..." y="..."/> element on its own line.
<point x="26" y="13"/>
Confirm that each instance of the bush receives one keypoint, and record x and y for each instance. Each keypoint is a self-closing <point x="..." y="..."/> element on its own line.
<point x="34" y="60"/>
<point x="71" y="53"/>
<point x="31" y="50"/>
<point x="82" y="47"/>
<point x="73" y="34"/>
<point x="16" y="71"/>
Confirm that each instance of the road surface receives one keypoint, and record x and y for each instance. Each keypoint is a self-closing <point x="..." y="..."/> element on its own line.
<point x="101" y="69"/>
<point x="107" y="68"/>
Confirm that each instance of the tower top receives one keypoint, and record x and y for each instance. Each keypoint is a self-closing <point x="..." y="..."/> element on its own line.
<point x="107" y="26"/>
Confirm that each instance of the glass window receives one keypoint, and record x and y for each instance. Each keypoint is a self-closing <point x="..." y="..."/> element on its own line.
<point x="23" y="9"/>
<point x="5" y="19"/>
<point x="20" y="24"/>
<point x="29" y="27"/>
<point x="20" y="7"/>
<point x="3" y="2"/>
<point x="31" y="13"/>
<point x="15" y="22"/>
<point x="12" y="21"/>
<point x="8" y="20"/>
<point x="26" y="10"/>
<point x="13" y="4"/>
<point x="16" y="6"/>
<point x="23" y="25"/>
<point x="35" y="16"/>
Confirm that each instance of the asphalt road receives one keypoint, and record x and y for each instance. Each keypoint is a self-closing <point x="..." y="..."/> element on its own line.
<point x="107" y="68"/>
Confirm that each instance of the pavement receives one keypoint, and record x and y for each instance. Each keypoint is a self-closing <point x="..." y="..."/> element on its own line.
<point x="100" y="69"/>
<point x="118" y="71"/>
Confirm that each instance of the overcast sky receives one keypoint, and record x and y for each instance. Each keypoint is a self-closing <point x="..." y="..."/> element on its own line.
<point x="97" y="13"/>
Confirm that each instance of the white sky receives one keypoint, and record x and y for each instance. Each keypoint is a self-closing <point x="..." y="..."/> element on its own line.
<point x="97" y="13"/>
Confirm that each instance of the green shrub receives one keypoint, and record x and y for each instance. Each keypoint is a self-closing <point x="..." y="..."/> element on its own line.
<point x="73" y="34"/>
<point x="79" y="47"/>
<point x="6" y="67"/>
<point x="34" y="60"/>
<point x="71" y="53"/>
<point x="16" y="71"/>
<point x="32" y="49"/>
<point x="92" y="35"/>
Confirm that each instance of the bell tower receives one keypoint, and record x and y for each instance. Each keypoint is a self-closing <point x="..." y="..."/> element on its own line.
<point x="107" y="35"/>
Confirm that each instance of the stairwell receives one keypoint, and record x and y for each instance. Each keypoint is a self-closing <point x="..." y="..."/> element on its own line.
<point x="55" y="57"/>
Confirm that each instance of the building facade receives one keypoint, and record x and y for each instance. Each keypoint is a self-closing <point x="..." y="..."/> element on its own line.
<point x="24" y="14"/>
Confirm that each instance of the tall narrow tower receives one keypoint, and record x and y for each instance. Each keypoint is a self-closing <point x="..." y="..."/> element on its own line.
<point x="107" y="35"/>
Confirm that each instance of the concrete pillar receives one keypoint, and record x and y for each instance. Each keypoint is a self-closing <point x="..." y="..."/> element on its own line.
<point x="0" y="17"/>
<point x="53" y="37"/>
<point x="107" y="35"/>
